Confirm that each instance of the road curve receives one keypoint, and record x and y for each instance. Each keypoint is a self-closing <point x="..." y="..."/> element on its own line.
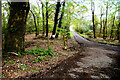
<point x="96" y="61"/>
<point x="89" y="43"/>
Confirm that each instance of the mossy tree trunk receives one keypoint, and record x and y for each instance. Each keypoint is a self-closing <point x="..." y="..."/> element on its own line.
<point x="14" y="36"/>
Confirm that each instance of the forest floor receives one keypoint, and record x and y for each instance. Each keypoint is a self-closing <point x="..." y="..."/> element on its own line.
<point x="82" y="59"/>
<point x="96" y="61"/>
<point x="25" y="66"/>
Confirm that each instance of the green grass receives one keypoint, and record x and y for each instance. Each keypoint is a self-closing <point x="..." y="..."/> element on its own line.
<point x="82" y="35"/>
<point x="107" y="42"/>
<point x="61" y="42"/>
<point x="71" y="34"/>
<point x="2" y="75"/>
<point x="34" y="70"/>
<point x="23" y="66"/>
<point x="11" y="62"/>
<point x="36" y="60"/>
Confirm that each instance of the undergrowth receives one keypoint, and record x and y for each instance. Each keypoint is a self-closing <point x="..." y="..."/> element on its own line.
<point x="40" y="52"/>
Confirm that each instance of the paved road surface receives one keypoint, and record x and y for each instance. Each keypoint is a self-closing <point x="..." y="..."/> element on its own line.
<point x="95" y="62"/>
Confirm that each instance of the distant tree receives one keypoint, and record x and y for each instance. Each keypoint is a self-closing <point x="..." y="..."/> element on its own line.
<point x="93" y="7"/>
<point x="103" y="29"/>
<point x="111" y="34"/>
<point x="34" y="22"/>
<point x="43" y="17"/>
<point x="14" y="36"/>
<point x="101" y="21"/>
<point x="105" y="25"/>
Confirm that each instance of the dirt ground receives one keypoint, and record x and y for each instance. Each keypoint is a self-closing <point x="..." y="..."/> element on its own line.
<point x="11" y="64"/>
<point x="96" y="61"/>
<point x="84" y="61"/>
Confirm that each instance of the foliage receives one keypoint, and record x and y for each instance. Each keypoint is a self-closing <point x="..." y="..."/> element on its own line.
<point x="34" y="70"/>
<point x="40" y="52"/>
<point x="65" y="34"/>
<point x="11" y="62"/>
<point x="19" y="54"/>
<point x="23" y="66"/>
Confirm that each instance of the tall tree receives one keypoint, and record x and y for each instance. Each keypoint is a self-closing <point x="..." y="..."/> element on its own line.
<point x="14" y="36"/>
<point x="0" y="33"/>
<point x="106" y="18"/>
<point x="56" y="18"/>
<point x="118" y="30"/>
<point x="111" y="34"/>
<point x="103" y="29"/>
<point x="101" y="21"/>
<point x="43" y="17"/>
<point x="47" y="30"/>
<point x="93" y="8"/>
<point x="34" y="22"/>
<point x="60" y="20"/>
<point x="105" y="25"/>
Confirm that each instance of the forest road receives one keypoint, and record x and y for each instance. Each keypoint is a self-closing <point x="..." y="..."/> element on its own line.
<point x="96" y="61"/>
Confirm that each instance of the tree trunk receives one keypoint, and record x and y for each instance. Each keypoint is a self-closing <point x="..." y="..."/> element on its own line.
<point x="118" y="32"/>
<point x="103" y="29"/>
<point x="43" y="18"/>
<point x="47" y="19"/>
<point x="15" y="32"/>
<point x="93" y="24"/>
<point x="60" y="21"/>
<point x="111" y="34"/>
<point x="106" y="19"/>
<point x="0" y="39"/>
<point x="105" y="25"/>
<point x="34" y="23"/>
<point x="56" y="18"/>
<point x="101" y="21"/>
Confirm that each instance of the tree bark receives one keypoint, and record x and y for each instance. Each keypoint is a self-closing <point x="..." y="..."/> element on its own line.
<point x="103" y="29"/>
<point x="111" y="34"/>
<point x="118" y="32"/>
<point x="0" y="39"/>
<point x="106" y="19"/>
<point x="60" y="21"/>
<point x="101" y="21"/>
<point x="105" y="25"/>
<point x="93" y="24"/>
<point x="35" y="23"/>
<point x="43" y="18"/>
<point x="47" y="19"/>
<point x="56" y="18"/>
<point x="14" y="36"/>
